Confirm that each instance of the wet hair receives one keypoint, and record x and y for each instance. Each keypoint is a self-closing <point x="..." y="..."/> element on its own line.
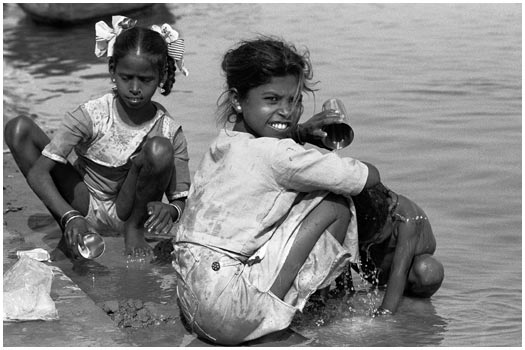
<point x="152" y="46"/>
<point x="255" y="62"/>
<point x="371" y="207"/>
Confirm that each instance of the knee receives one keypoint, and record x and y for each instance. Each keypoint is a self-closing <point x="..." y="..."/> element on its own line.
<point x="429" y="274"/>
<point x="338" y="212"/>
<point x="158" y="152"/>
<point x="18" y="128"/>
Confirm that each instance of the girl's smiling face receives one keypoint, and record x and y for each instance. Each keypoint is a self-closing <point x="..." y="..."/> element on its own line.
<point x="269" y="110"/>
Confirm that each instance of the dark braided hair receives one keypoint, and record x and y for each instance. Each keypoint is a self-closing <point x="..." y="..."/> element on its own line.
<point x="371" y="207"/>
<point x="152" y="46"/>
<point x="372" y="210"/>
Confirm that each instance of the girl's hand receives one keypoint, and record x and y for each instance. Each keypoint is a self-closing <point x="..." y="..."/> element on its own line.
<point x="73" y="232"/>
<point x="380" y="311"/>
<point x="312" y="132"/>
<point x="160" y="219"/>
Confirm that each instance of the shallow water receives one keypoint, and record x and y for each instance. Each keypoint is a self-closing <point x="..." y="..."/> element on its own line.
<point x="434" y="97"/>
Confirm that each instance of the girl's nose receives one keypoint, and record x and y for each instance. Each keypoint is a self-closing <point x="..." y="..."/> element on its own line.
<point x="134" y="87"/>
<point x="286" y="109"/>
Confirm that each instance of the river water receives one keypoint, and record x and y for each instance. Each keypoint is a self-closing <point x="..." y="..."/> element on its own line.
<point x="434" y="96"/>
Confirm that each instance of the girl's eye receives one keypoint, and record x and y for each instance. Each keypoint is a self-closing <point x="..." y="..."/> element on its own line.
<point x="148" y="80"/>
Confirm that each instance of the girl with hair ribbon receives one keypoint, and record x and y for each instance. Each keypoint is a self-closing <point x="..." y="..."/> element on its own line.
<point x="113" y="158"/>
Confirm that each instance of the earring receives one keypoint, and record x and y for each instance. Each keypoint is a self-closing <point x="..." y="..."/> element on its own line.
<point x="233" y="118"/>
<point x="238" y="108"/>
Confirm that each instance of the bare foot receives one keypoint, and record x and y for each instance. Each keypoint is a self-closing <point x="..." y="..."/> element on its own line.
<point x="135" y="243"/>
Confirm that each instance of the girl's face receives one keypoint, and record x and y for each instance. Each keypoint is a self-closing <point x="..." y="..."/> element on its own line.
<point x="268" y="110"/>
<point x="136" y="80"/>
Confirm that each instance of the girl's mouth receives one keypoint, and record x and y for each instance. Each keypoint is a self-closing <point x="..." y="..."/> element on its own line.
<point x="134" y="100"/>
<point x="279" y="126"/>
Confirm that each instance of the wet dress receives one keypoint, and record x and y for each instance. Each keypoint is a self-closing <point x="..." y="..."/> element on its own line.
<point x="244" y="209"/>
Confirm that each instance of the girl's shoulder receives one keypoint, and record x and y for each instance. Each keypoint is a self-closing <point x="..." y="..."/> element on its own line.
<point x="163" y="113"/>
<point x="408" y="211"/>
<point x="99" y="109"/>
<point x="170" y="126"/>
<point x="162" y="109"/>
<point x="104" y="102"/>
<point x="264" y="145"/>
<point x="246" y="145"/>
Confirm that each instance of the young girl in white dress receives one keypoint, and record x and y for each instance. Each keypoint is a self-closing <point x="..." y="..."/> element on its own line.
<point x="267" y="221"/>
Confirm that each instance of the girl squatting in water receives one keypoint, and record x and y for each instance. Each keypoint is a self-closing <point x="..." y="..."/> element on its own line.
<point x="268" y="222"/>
<point x="130" y="151"/>
<point x="396" y="246"/>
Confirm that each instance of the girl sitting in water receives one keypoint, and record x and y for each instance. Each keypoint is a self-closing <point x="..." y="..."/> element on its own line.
<point x="130" y="151"/>
<point x="396" y="244"/>
<point x="268" y="222"/>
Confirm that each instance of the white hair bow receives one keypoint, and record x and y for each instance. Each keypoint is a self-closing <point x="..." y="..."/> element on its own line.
<point x="105" y="35"/>
<point x="175" y="44"/>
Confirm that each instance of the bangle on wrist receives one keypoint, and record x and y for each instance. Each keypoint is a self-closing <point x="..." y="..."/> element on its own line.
<point x="68" y="216"/>
<point x="179" y="211"/>
<point x="71" y="218"/>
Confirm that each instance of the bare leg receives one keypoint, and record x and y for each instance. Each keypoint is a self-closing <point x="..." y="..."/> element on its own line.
<point x="425" y="276"/>
<point x="26" y="141"/>
<point x="146" y="182"/>
<point x="332" y="215"/>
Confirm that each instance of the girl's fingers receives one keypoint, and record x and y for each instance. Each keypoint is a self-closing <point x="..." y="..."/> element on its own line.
<point x="158" y="222"/>
<point x="152" y="216"/>
<point x="167" y="227"/>
<point x="165" y="224"/>
<point x="153" y="225"/>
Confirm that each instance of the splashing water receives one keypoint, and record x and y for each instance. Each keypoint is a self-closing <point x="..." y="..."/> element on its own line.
<point x="353" y="294"/>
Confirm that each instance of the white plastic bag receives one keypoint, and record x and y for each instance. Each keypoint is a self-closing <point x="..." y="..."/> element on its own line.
<point x="27" y="285"/>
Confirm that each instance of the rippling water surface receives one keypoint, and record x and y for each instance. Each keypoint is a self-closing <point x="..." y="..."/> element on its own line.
<point x="434" y="96"/>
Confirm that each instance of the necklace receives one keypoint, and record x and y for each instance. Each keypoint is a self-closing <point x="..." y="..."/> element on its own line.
<point x="401" y="217"/>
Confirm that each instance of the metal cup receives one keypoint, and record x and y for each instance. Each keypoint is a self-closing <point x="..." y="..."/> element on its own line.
<point x="91" y="245"/>
<point x="339" y="135"/>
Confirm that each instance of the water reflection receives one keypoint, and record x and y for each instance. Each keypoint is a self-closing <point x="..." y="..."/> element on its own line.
<point x="28" y="45"/>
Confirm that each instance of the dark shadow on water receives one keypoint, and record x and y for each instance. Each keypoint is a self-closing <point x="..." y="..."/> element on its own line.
<point x="54" y="51"/>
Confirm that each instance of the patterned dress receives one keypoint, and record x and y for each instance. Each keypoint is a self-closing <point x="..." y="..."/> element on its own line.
<point x="103" y="144"/>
